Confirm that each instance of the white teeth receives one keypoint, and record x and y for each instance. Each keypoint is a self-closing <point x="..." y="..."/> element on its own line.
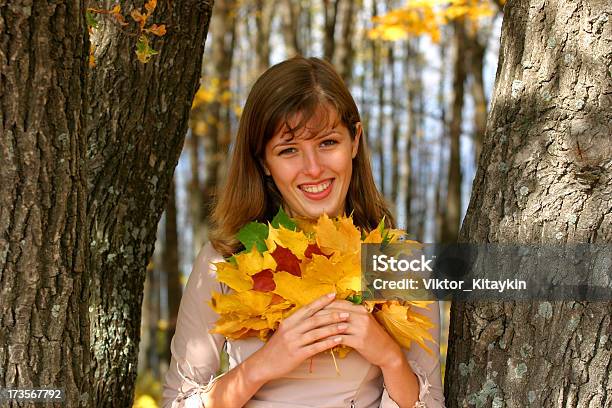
<point x="316" y="189"/>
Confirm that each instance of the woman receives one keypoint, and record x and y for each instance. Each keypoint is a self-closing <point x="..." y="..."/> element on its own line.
<point x="298" y="146"/>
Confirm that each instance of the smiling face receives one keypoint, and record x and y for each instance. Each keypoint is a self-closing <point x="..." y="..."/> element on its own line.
<point x="312" y="169"/>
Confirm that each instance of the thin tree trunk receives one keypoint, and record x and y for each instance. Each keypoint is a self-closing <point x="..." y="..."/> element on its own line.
<point x="171" y="269"/>
<point x="130" y="169"/>
<point x="409" y="69"/>
<point x="214" y="134"/>
<point x="476" y="50"/>
<point x="395" y="132"/>
<point x="290" y="24"/>
<point x="450" y="228"/>
<point x="543" y="177"/>
<point x="264" y="12"/>
<point x="330" y="15"/>
<point x="440" y="210"/>
<point x="44" y="243"/>
<point x="345" y="51"/>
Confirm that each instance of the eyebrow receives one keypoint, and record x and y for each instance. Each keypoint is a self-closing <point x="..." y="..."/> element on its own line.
<point x="320" y="136"/>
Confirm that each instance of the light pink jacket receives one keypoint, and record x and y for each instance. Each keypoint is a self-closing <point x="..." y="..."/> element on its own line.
<point x="195" y="361"/>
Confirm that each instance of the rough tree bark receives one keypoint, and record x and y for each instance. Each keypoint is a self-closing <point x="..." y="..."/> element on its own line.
<point x="44" y="282"/>
<point x="544" y="177"/>
<point x="137" y="121"/>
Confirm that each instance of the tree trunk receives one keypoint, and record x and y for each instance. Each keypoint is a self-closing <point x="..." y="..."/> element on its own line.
<point x="44" y="281"/>
<point x="409" y="69"/>
<point x="395" y="133"/>
<point x="290" y="25"/>
<point x="440" y="209"/>
<point x="450" y="228"/>
<point x="172" y="270"/>
<point x="137" y="123"/>
<point x="476" y="52"/>
<point x="330" y="14"/>
<point x="544" y="177"/>
<point x="214" y="132"/>
<point x="264" y="12"/>
<point x="345" y="52"/>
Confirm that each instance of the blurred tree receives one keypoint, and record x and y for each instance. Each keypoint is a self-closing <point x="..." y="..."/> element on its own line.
<point x="172" y="272"/>
<point x="330" y="15"/>
<point x="290" y="23"/>
<point x="344" y="53"/>
<point x="210" y="120"/>
<point x="87" y="157"/>
<point x="452" y="214"/>
<point x="264" y="13"/>
<point x="543" y="177"/>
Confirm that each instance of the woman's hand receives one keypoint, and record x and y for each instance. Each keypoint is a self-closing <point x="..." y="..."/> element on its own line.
<point x="299" y="337"/>
<point x="365" y="334"/>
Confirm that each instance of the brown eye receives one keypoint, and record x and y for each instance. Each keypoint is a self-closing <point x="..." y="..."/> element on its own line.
<point x="287" y="151"/>
<point x="329" y="142"/>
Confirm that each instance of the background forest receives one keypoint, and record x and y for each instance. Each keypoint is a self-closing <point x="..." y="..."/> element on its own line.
<point x="421" y="73"/>
<point x="485" y="122"/>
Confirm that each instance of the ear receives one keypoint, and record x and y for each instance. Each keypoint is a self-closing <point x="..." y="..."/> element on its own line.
<point x="355" y="142"/>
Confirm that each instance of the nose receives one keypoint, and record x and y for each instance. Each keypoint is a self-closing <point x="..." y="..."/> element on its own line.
<point x="313" y="167"/>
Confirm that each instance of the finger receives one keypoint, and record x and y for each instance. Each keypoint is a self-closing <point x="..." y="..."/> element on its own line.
<point x="320" y="320"/>
<point x="346" y="305"/>
<point x="322" y="332"/>
<point x="313" y="307"/>
<point x="322" y="345"/>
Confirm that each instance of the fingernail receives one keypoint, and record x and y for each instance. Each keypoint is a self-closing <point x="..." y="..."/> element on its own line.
<point x="337" y="339"/>
<point x="342" y="326"/>
<point x="331" y="295"/>
<point x="343" y="315"/>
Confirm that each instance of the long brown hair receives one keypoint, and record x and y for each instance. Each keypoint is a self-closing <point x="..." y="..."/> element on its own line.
<point x="295" y="86"/>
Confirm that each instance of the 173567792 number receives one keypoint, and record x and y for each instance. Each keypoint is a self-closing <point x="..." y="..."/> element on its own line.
<point x="31" y="394"/>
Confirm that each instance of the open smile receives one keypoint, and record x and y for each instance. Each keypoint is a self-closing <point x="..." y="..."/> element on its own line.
<point x="317" y="191"/>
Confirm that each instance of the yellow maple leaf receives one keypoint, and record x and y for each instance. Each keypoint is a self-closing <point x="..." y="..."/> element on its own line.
<point x="404" y="325"/>
<point x="295" y="241"/>
<point x="249" y="303"/>
<point x="337" y="235"/>
<point x="253" y="262"/>
<point x="233" y="277"/>
<point x="298" y="290"/>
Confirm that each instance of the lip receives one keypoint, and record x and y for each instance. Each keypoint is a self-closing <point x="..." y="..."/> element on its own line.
<point x="320" y="195"/>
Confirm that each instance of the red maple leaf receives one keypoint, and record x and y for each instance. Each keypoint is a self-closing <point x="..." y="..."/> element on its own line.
<point x="263" y="282"/>
<point x="313" y="249"/>
<point x="286" y="261"/>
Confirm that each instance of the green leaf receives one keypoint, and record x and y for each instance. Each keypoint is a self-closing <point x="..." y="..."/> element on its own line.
<point x="356" y="299"/>
<point x="281" y="218"/>
<point x="143" y="51"/>
<point x="254" y="233"/>
<point x="91" y="19"/>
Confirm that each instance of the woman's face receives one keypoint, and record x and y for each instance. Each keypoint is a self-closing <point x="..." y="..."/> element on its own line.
<point x="313" y="173"/>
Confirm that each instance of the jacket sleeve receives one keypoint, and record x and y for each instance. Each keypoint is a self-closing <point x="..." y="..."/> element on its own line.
<point x="195" y="352"/>
<point x="425" y="366"/>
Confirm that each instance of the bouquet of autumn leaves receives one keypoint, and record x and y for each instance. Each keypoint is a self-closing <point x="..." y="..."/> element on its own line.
<point x="289" y="263"/>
